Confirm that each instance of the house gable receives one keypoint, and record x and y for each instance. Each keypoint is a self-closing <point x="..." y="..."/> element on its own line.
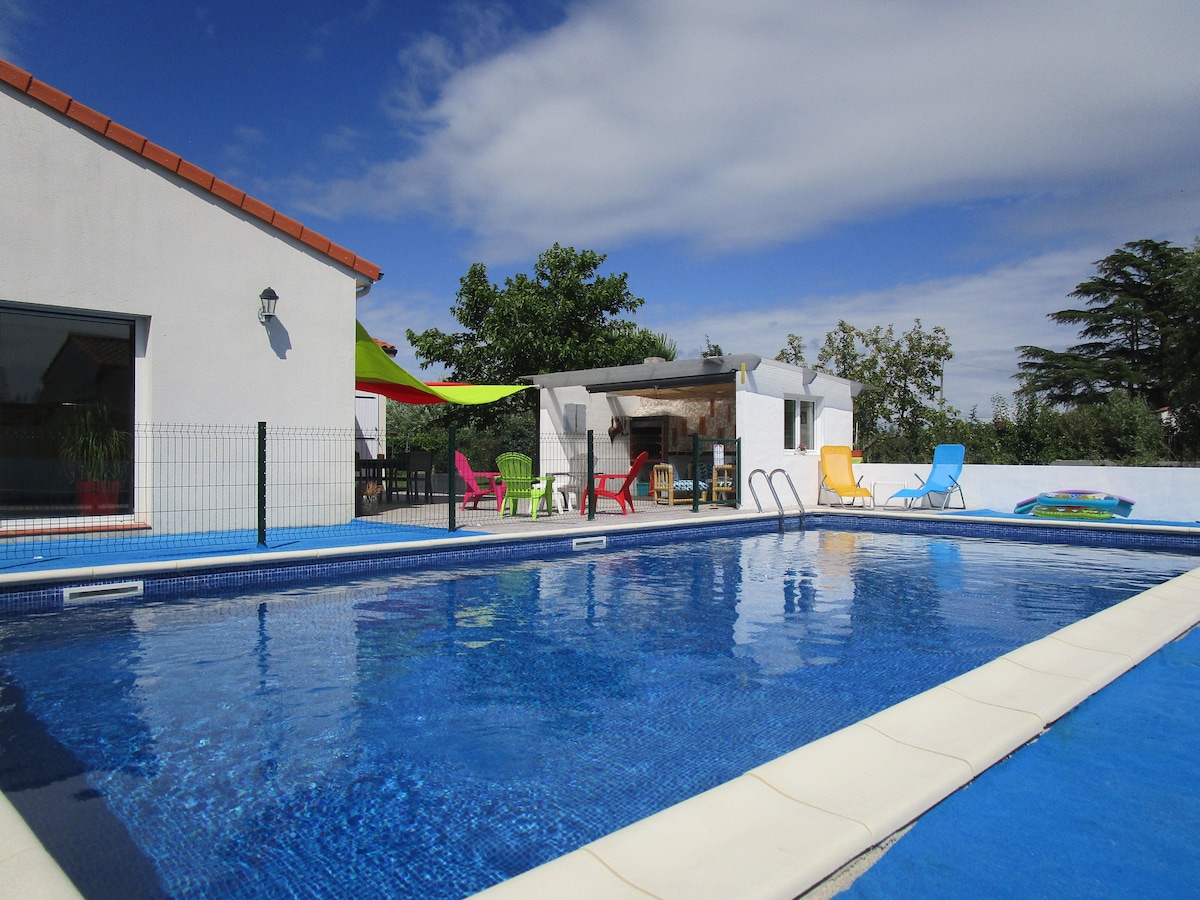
<point x="61" y="103"/>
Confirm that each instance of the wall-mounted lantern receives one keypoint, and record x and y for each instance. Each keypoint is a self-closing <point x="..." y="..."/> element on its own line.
<point x="267" y="299"/>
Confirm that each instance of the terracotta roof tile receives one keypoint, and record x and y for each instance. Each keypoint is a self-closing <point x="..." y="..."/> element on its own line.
<point x="18" y="78"/>
<point x="258" y="208"/>
<point x="227" y="191"/>
<point x="56" y="100"/>
<point x="196" y="174"/>
<point x="288" y="224"/>
<point x="85" y="115"/>
<point x="125" y="137"/>
<point x="341" y="254"/>
<point x="318" y="242"/>
<point x="118" y="134"/>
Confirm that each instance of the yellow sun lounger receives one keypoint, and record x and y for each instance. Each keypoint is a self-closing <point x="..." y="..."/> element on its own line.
<point x="837" y="477"/>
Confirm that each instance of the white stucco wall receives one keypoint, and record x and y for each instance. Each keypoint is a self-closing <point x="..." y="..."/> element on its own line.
<point x="1159" y="492"/>
<point x="93" y="227"/>
<point x="565" y="454"/>
<point x="760" y="406"/>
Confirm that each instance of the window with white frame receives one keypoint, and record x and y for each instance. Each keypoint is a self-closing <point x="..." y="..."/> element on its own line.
<point x="798" y="417"/>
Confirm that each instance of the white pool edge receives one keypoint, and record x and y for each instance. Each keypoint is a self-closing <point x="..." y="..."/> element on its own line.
<point x="26" y="868"/>
<point x="784" y="827"/>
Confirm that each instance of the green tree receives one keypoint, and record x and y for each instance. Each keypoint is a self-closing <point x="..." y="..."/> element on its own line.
<point x="1033" y="432"/>
<point x="1027" y="433"/>
<point x="663" y="347"/>
<point x="1183" y="367"/>
<point x="794" y="351"/>
<point x="902" y="377"/>
<point x="1122" y="429"/>
<point x="563" y="317"/>
<point x="1127" y="323"/>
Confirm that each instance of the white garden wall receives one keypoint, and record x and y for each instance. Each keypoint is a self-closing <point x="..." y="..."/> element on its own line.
<point x="1159" y="492"/>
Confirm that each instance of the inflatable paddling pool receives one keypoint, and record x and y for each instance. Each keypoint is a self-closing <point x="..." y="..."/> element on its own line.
<point x="1075" y="505"/>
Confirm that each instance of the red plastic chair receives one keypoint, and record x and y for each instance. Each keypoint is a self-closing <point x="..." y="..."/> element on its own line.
<point x="471" y="480"/>
<point x="622" y="494"/>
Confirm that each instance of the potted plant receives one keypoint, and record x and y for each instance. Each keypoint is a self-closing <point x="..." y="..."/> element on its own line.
<point x="368" y="498"/>
<point x="96" y="453"/>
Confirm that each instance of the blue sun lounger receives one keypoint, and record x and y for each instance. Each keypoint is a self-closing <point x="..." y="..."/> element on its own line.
<point x="942" y="480"/>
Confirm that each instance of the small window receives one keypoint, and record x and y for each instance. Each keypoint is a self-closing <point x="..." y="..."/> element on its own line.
<point x="798" y="416"/>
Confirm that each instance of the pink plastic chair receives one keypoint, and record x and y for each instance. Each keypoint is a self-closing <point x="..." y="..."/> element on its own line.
<point x="471" y="478"/>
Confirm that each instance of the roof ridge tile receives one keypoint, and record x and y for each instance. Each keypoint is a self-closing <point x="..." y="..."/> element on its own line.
<point x="85" y="115"/>
<point x="18" y="78"/>
<point x="227" y="191"/>
<point x="161" y="155"/>
<point x="55" y="99"/>
<point x="125" y="136"/>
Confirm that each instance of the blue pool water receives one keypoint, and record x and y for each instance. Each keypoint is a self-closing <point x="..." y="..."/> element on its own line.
<point x="430" y="734"/>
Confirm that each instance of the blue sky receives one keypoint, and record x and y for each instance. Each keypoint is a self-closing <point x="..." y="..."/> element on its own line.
<point x="757" y="168"/>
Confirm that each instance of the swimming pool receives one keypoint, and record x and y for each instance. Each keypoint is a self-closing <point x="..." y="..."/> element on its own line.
<point x="432" y="733"/>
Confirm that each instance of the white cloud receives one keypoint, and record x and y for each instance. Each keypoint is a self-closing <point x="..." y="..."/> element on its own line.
<point x="1071" y="127"/>
<point x="736" y="125"/>
<point x="344" y="140"/>
<point x="986" y="316"/>
<point x="432" y="60"/>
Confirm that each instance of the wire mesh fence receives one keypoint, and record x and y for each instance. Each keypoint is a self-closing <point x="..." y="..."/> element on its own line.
<point x="179" y="490"/>
<point x="196" y="485"/>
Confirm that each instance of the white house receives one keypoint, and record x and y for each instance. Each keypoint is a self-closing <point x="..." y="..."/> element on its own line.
<point x="782" y="414"/>
<point x="130" y="282"/>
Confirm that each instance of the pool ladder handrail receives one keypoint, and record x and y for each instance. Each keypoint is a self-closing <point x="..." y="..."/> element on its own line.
<point x="771" y="484"/>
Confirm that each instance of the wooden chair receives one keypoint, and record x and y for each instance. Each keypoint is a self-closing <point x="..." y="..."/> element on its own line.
<point x="724" y="487"/>
<point x="516" y="471"/>
<point x="669" y="490"/>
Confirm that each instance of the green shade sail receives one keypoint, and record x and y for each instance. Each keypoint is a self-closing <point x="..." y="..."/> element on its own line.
<point x="376" y="373"/>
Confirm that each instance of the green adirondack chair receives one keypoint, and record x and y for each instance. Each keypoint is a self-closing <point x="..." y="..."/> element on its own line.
<point x="516" y="471"/>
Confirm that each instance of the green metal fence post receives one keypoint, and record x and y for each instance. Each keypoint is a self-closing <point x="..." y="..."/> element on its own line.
<point x="590" y="495"/>
<point x="453" y="470"/>
<point x="262" y="483"/>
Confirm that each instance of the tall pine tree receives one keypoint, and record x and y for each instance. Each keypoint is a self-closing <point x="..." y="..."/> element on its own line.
<point x="1131" y="307"/>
